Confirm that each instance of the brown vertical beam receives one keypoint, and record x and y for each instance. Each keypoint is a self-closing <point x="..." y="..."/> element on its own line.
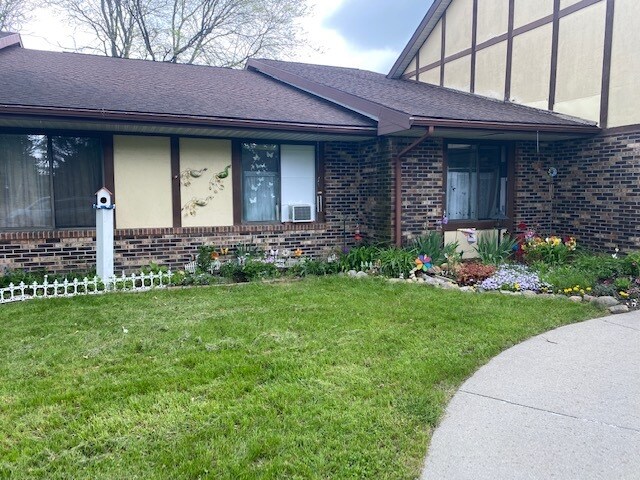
<point x="606" y="65"/>
<point x="507" y="80"/>
<point x="442" y="41"/>
<point x="554" y="54"/>
<point x="320" y="183"/>
<point x="175" y="182"/>
<point x="418" y="65"/>
<point x="236" y="180"/>
<point x="474" y="42"/>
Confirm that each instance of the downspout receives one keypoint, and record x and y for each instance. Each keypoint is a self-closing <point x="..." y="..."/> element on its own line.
<point x="398" y="184"/>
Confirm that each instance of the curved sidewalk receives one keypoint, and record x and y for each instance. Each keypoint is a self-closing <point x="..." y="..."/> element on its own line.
<point x="562" y="405"/>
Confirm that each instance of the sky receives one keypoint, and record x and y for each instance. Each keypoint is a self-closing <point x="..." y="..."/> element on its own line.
<point x="367" y="34"/>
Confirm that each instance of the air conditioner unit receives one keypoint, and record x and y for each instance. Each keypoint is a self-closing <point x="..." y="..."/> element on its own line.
<point x="300" y="213"/>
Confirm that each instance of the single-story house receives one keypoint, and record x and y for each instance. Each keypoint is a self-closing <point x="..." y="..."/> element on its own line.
<point x="293" y="155"/>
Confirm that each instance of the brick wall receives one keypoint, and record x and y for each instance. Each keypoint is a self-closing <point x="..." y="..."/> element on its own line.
<point x="74" y="250"/>
<point x="534" y="187"/>
<point x="597" y="196"/>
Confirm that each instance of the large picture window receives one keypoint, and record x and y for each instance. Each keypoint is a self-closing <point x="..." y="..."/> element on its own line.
<point x="476" y="182"/>
<point x="48" y="181"/>
<point x="275" y="179"/>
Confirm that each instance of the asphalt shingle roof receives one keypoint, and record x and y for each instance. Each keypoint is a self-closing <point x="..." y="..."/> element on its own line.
<point x="79" y="81"/>
<point x="420" y="99"/>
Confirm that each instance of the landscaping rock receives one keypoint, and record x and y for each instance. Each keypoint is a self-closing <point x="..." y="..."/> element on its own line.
<point x="449" y="286"/>
<point x="588" y="298"/>
<point x="606" y="301"/>
<point x="546" y="295"/>
<point x="434" y="270"/>
<point x="432" y="281"/>
<point x="467" y="289"/>
<point x="576" y="298"/>
<point x="361" y="275"/>
<point x="619" y="309"/>
<point x="352" y="273"/>
<point x="395" y="280"/>
<point x="529" y="293"/>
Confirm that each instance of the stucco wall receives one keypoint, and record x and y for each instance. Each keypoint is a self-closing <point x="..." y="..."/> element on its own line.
<point x="490" y="65"/>
<point x="142" y="171"/>
<point x="527" y="11"/>
<point x="458" y="28"/>
<point x="624" y="97"/>
<point x="431" y="49"/>
<point x="580" y="56"/>
<point x="531" y="67"/>
<point x="214" y="155"/>
<point x="493" y="20"/>
<point x="457" y="74"/>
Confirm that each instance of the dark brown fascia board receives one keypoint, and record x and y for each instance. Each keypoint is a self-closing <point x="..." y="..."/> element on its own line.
<point x="180" y="120"/>
<point x="427" y="24"/>
<point x="389" y="120"/>
<point x="511" y="126"/>
<point x="10" y="40"/>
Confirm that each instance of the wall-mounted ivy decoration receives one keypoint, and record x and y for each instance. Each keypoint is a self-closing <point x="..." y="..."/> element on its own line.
<point x="216" y="185"/>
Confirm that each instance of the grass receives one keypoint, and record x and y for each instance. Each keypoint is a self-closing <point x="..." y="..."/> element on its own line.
<point x="324" y="378"/>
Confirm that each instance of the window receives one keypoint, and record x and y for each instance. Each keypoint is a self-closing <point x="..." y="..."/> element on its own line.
<point x="275" y="179"/>
<point x="48" y="181"/>
<point x="476" y="182"/>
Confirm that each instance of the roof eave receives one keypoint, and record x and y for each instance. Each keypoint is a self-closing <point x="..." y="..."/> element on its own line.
<point x="389" y="120"/>
<point x="507" y="126"/>
<point x="427" y="24"/>
<point x="174" y="119"/>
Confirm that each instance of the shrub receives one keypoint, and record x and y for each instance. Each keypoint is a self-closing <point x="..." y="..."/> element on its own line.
<point x="631" y="264"/>
<point x="514" y="277"/>
<point x="603" y="267"/>
<point x="313" y="267"/>
<point x="395" y="261"/>
<point x="552" y="250"/>
<point x="605" y="290"/>
<point x="622" y="283"/>
<point x="432" y="245"/>
<point x="567" y="277"/>
<point x="357" y="256"/>
<point x="255" y="270"/>
<point x="472" y="273"/>
<point x="205" y="256"/>
<point x="493" y="250"/>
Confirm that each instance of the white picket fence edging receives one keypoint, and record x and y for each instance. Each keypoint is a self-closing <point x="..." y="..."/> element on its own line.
<point x="87" y="286"/>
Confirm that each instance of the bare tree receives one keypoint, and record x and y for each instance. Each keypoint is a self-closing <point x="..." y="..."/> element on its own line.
<point x="13" y="14"/>
<point x="213" y="32"/>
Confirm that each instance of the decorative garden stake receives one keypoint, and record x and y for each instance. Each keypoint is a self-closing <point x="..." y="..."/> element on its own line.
<point x="104" y="207"/>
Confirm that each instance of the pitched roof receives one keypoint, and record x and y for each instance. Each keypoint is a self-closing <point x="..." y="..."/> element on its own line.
<point x="399" y="104"/>
<point x="92" y="86"/>
<point x="8" y="39"/>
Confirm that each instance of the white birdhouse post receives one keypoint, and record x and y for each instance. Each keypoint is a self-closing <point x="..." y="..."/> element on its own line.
<point x="104" y="233"/>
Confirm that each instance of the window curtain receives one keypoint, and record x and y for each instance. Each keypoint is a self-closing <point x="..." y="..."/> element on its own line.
<point x="25" y="199"/>
<point x="260" y="182"/>
<point x="77" y="174"/>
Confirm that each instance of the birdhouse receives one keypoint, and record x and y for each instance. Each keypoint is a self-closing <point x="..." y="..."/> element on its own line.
<point x="104" y="199"/>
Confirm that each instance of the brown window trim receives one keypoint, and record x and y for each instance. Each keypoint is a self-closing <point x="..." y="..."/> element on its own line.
<point x="236" y="174"/>
<point x="507" y="223"/>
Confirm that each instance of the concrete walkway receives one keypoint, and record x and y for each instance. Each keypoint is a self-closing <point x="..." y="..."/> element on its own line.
<point x="563" y="405"/>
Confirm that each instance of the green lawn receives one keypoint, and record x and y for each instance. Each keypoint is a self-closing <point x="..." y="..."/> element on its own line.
<point x="323" y="378"/>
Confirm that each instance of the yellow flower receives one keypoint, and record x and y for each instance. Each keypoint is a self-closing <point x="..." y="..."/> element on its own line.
<point x="575" y="289"/>
<point x="588" y="289"/>
<point x="516" y="286"/>
<point x="623" y="294"/>
<point x="581" y="291"/>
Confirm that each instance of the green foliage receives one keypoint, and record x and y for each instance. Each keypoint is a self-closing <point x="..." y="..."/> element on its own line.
<point x="254" y="270"/>
<point x="567" y="276"/>
<point x="395" y="261"/>
<point x="493" y="250"/>
<point x="622" y="283"/>
<point x="306" y="379"/>
<point x="313" y="267"/>
<point x="605" y="289"/>
<point x="247" y="250"/>
<point x="357" y="256"/>
<point x="432" y="245"/>
<point x="153" y="268"/>
<point x="603" y="267"/>
<point x="204" y="258"/>
<point x="551" y="250"/>
<point x="631" y="264"/>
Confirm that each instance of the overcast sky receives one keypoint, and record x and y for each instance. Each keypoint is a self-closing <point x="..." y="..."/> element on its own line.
<point x="367" y="34"/>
